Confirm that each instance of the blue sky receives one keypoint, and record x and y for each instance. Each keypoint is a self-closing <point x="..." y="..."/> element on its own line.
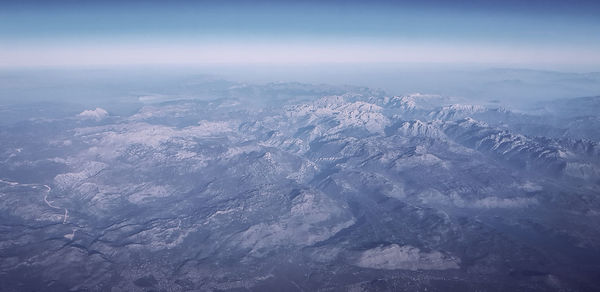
<point x="508" y="32"/>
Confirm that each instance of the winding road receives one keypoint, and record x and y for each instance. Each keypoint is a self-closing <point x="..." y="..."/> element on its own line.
<point x="48" y="190"/>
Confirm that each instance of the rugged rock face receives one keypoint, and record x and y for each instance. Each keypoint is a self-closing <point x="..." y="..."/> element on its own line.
<point x="332" y="188"/>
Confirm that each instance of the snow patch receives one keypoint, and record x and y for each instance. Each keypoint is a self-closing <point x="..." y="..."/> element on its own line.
<point x="313" y="218"/>
<point x="71" y="179"/>
<point x="149" y="192"/>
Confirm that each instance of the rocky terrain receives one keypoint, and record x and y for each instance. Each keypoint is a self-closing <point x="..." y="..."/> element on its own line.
<point x="303" y="188"/>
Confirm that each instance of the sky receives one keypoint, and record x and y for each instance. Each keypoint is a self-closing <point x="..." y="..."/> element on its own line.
<point x="509" y="32"/>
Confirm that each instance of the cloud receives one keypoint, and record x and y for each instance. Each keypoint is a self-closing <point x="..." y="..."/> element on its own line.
<point x="495" y="202"/>
<point x="97" y="114"/>
<point x="406" y="257"/>
<point x="432" y="196"/>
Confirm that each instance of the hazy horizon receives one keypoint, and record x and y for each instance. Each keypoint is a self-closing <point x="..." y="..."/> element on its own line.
<point x="534" y="34"/>
<point x="475" y="83"/>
